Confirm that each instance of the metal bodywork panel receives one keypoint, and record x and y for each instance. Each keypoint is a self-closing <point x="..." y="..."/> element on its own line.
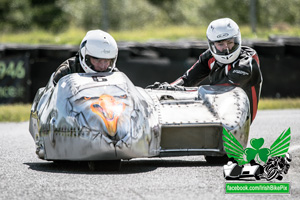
<point x="94" y="117"/>
<point x="192" y="121"/>
<point x="105" y="117"/>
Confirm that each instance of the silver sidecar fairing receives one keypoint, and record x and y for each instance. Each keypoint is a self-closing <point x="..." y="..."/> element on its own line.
<point x="105" y="117"/>
<point x="93" y="117"/>
<point x="192" y="121"/>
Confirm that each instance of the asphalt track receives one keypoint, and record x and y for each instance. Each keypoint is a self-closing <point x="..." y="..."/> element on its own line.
<point x="24" y="176"/>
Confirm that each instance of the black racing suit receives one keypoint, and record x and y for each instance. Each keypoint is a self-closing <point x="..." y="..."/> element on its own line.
<point x="244" y="72"/>
<point x="71" y="65"/>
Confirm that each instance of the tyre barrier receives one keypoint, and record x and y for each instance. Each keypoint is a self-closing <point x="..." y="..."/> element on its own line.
<point x="269" y="49"/>
<point x="146" y="63"/>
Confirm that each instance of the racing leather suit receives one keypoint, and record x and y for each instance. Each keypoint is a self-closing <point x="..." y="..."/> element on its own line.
<point x="71" y="65"/>
<point x="244" y="72"/>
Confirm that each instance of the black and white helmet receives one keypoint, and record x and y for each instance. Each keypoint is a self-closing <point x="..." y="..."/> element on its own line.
<point x="224" y="29"/>
<point x="97" y="44"/>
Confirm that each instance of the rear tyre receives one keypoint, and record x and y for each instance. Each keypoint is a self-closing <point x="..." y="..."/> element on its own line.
<point x="216" y="160"/>
<point x="257" y="177"/>
<point x="105" y="165"/>
<point x="61" y="162"/>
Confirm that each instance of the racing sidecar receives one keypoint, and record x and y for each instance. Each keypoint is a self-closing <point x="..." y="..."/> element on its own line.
<point x="232" y="171"/>
<point x="104" y="117"/>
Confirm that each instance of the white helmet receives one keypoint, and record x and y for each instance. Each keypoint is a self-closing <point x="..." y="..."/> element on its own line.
<point x="223" y="29"/>
<point x="98" y="44"/>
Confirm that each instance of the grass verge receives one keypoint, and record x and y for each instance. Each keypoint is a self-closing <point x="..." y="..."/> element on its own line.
<point x="284" y="103"/>
<point x="14" y="112"/>
<point x="74" y="35"/>
<point x="21" y="112"/>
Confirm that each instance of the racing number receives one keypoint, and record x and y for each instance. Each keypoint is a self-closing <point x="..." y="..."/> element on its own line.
<point x="12" y="69"/>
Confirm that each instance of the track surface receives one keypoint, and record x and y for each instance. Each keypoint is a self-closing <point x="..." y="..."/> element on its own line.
<point x="24" y="176"/>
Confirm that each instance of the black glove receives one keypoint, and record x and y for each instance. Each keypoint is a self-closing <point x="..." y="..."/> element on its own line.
<point x="154" y="86"/>
<point x="165" y="86"/>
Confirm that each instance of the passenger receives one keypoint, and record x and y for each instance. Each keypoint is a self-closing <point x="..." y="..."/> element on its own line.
<point x="98" y="52"/>
<point x="226" y="62"/>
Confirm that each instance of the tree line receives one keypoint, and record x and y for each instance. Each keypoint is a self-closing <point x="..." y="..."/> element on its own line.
<point x="59" y="15"/>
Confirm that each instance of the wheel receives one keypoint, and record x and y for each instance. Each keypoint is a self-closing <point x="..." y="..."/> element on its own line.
<point x="61" y="162"/>
<point x="257" y="177"/>
<point x="259" y="172"/>
<point x="105" y="165"/>
<point x="217" y="159"/>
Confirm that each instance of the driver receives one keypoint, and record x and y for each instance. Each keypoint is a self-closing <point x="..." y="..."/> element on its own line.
<point x="98" y="52"/>
<point x="226" y="62"/>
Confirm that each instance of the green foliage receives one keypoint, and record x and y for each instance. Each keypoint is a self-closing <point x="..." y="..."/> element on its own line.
<point x="15" y="15"/>
<point x="276" y="12"/>
<point x="116" y="15"/>
<point x="238" y="10"/>
<point x="49" y="16"/>
<point x="23" y="15"/>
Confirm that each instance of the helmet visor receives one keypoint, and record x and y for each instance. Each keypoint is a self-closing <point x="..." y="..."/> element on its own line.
<point x="98" y="64"/>
<point x="225" y="47"/>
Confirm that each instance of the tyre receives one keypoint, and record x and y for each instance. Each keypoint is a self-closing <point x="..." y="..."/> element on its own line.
<point x="105" y="165"/>
<point x="61" y="162"/>
<point x="217" y="159"/>
<point x="257" y="177"/>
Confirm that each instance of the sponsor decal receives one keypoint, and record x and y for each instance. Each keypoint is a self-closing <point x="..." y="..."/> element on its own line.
<point x="105" y="51"/>
<point x="240" y="72"/>
<point x="14" y="84"/>
<point x="222" y="35"/>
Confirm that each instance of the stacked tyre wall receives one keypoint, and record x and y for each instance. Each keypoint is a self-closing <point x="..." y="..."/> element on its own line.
<point x="146" y="63"/>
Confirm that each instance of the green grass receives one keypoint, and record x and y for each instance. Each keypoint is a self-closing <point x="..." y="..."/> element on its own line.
<point x="14" y="113"/>
<point x="285" y="103"/>
<point x="21" y="112"/>
<point x="73" y="36"/>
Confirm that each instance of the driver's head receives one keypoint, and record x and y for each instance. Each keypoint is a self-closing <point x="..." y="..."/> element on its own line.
<point x="98" y="52"/>
<point x="224" y="40"/>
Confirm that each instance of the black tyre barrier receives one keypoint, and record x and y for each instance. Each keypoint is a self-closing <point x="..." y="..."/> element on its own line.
<point x="124" y="53"/>
<point x="269" y="49"/>
<point x="280" y="77"/>
<point x="56" y="52"/>
<point x="2" y="51"/>
<point x="248" y="43"/>
<point x="292" y="49"/>
<point x="146" y="63"/>
<point x="197" y="49"/>
<point x="145" y="71"/>
<point x="281" y="39"/>
<point x="16" y="49"/>
<point x="173" y="52"/>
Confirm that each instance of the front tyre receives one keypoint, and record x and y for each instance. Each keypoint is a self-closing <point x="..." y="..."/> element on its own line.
<point x="217" y="160"/>
<point x="105" y="165"/>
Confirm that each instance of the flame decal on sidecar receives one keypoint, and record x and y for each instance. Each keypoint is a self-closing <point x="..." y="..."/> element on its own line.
<point x="109" y="110"/>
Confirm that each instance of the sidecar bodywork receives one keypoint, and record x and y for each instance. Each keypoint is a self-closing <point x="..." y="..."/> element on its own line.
<point x="91" y="117"/>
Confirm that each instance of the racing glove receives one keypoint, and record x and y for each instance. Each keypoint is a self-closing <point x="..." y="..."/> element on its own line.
<point x="165" y="86"/>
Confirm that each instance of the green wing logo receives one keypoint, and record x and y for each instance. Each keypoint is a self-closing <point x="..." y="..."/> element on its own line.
<point x="233" y="148"/>
<point x="261" y="155"/>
